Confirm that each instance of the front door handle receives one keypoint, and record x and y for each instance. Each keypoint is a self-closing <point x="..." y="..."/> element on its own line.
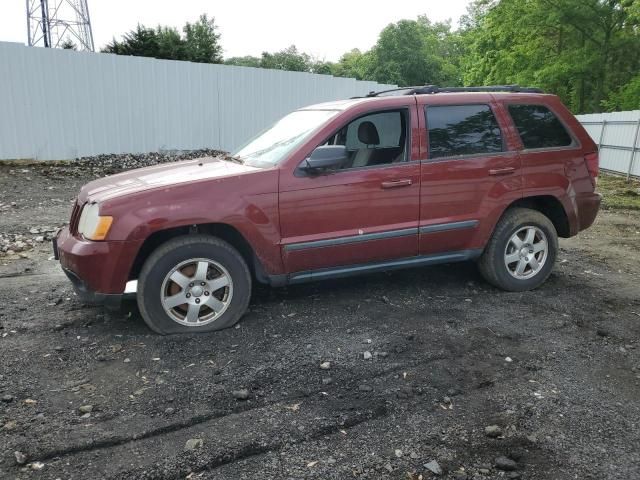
<point x="397" y="183"/>
<point x="502" y="171"/>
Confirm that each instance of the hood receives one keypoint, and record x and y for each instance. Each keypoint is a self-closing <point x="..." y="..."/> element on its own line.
<point x="160" y="176"/>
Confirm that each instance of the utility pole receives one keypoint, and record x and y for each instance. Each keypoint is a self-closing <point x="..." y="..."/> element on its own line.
<point x="51" y="23"/>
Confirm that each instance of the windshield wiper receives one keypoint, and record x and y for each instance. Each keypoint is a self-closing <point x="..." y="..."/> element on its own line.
<point x="231" y="158"/>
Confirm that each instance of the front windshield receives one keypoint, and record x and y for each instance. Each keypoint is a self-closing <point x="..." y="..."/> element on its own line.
<point x="275" y="143"/>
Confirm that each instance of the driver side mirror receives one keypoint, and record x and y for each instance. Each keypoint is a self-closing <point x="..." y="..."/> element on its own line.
<point x="326" y="157"/>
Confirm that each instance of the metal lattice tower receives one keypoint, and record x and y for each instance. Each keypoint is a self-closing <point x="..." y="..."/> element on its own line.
<point x="51" y="23"/>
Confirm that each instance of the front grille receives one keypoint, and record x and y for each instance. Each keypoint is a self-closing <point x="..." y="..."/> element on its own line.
<point x="75" y="217"/>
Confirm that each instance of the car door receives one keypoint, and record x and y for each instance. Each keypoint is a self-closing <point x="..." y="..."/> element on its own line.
<point x="364" y="212"/>
<point x="470" y="171"/>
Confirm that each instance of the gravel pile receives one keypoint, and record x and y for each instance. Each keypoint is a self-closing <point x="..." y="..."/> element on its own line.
<point x="12" y="244"/>
<point x="117" y="163"/>
<point x="102" y="165"/>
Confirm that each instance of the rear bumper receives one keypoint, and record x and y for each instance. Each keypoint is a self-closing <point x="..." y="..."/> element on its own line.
<point x="588" y="206"/>
<point x="97" y="270"/>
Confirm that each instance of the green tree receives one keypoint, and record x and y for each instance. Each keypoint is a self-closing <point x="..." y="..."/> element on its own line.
<point x="288" y="59"/>
<point x="68" y="44"/>
<point x="626" y="97"/>
<point x="170" y="45"/>
<point x="202" y="42"/>
<point x="141" y="42"/>
<point x="354" y="64"/>
<point x="415" y="52"/>
<point x="247" y="61"/>
<point x="580" y="49"/>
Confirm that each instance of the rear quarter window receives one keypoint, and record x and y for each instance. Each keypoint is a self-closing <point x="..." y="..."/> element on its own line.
<point x="539" y="127"/>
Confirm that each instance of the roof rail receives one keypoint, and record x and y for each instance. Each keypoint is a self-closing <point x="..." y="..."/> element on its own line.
<point x="431" y="89"/>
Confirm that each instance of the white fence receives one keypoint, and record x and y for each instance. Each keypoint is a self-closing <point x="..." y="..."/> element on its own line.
<point x="618" y="136"/>
<point x="60" y="105"/>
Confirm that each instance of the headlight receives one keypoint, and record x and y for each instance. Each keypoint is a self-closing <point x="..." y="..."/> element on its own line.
<point x="91" y="224"/>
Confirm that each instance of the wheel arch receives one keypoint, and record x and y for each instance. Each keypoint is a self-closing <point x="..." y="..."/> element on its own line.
<point x="549" y="206"/>
<point x="222" y="231"/>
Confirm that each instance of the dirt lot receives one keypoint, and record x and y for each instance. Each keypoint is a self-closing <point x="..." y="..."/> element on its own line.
<point x="557" y="370"/>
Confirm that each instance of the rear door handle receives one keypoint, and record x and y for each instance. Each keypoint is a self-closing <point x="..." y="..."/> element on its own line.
<point x="502" y="171"/>
<point x="397" y="183"/>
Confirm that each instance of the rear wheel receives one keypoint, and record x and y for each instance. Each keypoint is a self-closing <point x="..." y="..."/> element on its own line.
<point x="194" y="283"/>
<point x="521" y="252"/>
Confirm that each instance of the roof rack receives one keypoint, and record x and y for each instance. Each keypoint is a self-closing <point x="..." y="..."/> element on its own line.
<point x="431" y="89"/>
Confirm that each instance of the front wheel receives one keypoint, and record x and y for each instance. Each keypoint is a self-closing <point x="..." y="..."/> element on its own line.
<point x="195" y="283"/>
<point x="521" y="252"/>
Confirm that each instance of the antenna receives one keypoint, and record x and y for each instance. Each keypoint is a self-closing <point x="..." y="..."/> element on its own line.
<point x="53" y="23"/>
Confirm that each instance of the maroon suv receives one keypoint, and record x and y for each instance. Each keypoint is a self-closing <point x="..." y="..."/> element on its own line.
<point x="397" y="179"/>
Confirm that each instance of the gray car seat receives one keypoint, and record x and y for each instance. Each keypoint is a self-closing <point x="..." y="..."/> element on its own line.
<point x="368" y="135"/>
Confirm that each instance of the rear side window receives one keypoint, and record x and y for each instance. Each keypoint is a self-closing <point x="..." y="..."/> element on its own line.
<point x="539" y="127"/>
<point x="462" y="130"/>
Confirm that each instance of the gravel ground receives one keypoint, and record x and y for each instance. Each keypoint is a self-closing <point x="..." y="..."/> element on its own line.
<point x="428" y="373"/>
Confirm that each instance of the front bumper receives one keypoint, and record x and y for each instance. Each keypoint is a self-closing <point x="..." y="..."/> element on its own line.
<point x="110" y="300"/>
<point x="99" y="271"/>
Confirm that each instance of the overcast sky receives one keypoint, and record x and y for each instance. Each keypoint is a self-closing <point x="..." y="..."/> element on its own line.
<point x="324" y="28"/>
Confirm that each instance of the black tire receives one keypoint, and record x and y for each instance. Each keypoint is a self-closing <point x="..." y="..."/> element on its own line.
<point x="172" y="253"/>
<point x="492" y="262"/>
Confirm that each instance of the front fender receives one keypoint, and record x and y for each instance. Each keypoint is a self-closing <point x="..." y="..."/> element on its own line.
<point x="247" y="203"/>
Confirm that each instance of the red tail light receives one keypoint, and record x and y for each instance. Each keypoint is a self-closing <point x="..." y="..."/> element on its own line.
<point x="592" y="160"/>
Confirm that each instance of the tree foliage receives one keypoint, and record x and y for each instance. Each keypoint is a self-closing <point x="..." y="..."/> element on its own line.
<point x="200" y="43"/>
<point x="415" y="52"/>
<point x="582" y="50"/>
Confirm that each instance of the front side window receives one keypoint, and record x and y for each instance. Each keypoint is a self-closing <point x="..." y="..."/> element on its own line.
<point x="462" y="130"/>
<point x="376" y="139"/>
<point x="274" y="144"/>
<point x="539" y="127"/>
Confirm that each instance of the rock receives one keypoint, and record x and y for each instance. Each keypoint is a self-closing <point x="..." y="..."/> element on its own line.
<point x="514" y="475"/>
<point x="492" y="431"/>
<point x="10" y="425"/>
<point x="327" y="381"/>
<point x="85" y="409"/>
<point x="85" y="416"/>
<point x="508" y="359"/>
<point x="433" y="467"/>
<point x="506" y="464"/>
<point x="242" y="394"/>
<point x="126" y="360"/>
<point x="21" y="458"/>
<point x="7" y="398"/>
<point x="398" y="453"/>
<point x="39" y="239"/>
<point x="325" y="365"/>
<point x="193" y="443"/>
<point x="365" y="388"/>
<point x="460" y="476"/>
<point x="602" y="332"/>
<point x="367" y="355"/>
<point x="36" y="466"/>
<point x="170" y="411"/>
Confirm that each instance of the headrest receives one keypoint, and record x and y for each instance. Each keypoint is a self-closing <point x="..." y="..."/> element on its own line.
<point x="368" y="133"/>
